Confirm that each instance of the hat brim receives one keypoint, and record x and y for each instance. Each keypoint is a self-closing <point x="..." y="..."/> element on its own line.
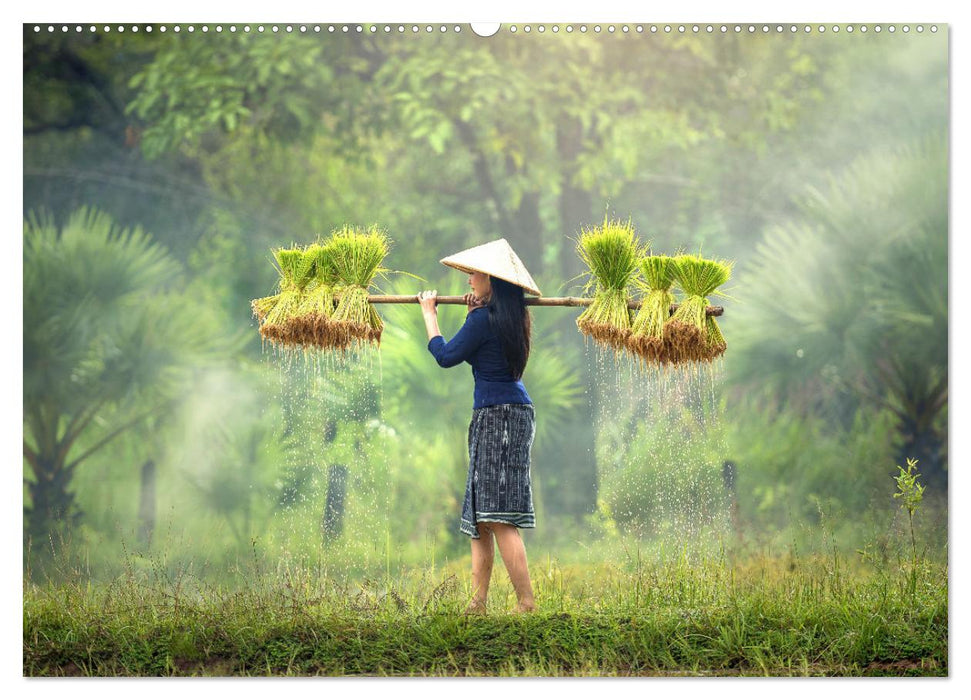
<point x="496" y="258"/>
<point x="470" y="270"/>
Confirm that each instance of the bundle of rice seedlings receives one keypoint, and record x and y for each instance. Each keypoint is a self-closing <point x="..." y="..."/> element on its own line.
<point x="647" y="329"/>
<point x="310" y="323"/>
<point x="612" y="252"/>
<point x="293" y="267"/>
<point x="356" y="257"/>
<point x="690" y="334"/>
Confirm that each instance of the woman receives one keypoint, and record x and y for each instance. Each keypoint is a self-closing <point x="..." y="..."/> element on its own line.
<point x="495" y="340"/>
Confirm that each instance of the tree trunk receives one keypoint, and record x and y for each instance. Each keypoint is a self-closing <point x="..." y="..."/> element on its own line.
<point x="52" y="511"/>
<point x="146" y="505"/>
<point x="334" y="506"/>
<point x="575" y="205"/>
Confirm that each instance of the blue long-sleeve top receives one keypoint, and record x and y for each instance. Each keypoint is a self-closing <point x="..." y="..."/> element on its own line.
<point x="476" y="344"/>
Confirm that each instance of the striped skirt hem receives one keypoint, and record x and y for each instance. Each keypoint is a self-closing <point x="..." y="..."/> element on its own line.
<point x="522" y="520"/>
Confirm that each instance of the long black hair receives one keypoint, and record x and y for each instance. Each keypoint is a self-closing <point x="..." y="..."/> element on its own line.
<point x="509" y="319"/>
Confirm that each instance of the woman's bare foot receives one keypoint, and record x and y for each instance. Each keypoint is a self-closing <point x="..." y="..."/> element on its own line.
<point x="525" y="608"/>
<point x="475" y="607"/>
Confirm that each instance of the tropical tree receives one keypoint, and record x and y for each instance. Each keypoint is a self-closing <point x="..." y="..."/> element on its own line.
<point x="846" y="304"/>
<point x="107" y="344"/>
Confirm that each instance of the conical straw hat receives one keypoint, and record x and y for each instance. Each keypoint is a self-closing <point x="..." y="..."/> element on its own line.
<point x="496" y="258"/>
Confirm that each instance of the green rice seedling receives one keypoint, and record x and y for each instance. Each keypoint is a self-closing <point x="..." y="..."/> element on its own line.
<point x="293" y="267"/>
<point x="356" y="258"/>
<point x="647" y="329"/>
<point x="311" y="322"/>
<point x="612" y="252"/>
<point x="690" y="334"/>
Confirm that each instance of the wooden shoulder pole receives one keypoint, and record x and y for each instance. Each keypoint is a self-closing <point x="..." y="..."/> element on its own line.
<point x="530" y="301"/>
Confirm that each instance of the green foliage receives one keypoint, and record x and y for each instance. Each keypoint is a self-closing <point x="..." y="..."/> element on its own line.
<point x="107" y="344"/>
<point x="413" y="377"/>
<point x="575" y="116"/>
<point x="92" y="94"/>
<point x="198" y="86"/>
<point x="660" y="468"/>
<point x="662" y="451"/>
<point x="872" y="255"/>
<point x="74" y="278"/>
<point x="429" y="409"/>
<point x="552" y="384"/>
<point x="786" y="465"/>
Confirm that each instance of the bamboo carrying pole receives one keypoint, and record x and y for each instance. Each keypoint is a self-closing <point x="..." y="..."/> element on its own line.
<point x="530" y="301"/>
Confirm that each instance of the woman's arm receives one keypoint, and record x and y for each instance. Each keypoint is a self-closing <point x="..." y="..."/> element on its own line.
<point x="429" y="310"/>
<point x="464" y="344"/>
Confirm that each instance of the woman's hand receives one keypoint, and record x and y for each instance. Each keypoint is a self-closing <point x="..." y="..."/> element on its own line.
<point x="428" y="300"/>
<point x="472" y="302"/>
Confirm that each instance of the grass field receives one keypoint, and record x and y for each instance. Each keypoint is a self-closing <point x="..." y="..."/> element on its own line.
<point x="789" y="617"/>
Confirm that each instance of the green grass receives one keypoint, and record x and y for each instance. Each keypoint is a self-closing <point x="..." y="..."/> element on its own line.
<point x="788" y="618"/>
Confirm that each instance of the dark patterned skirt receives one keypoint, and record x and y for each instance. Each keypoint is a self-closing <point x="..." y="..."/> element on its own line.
<point x="498" y="488"/>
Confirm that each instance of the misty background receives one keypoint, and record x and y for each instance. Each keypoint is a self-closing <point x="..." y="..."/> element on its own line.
<point x="160" y="170"/>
